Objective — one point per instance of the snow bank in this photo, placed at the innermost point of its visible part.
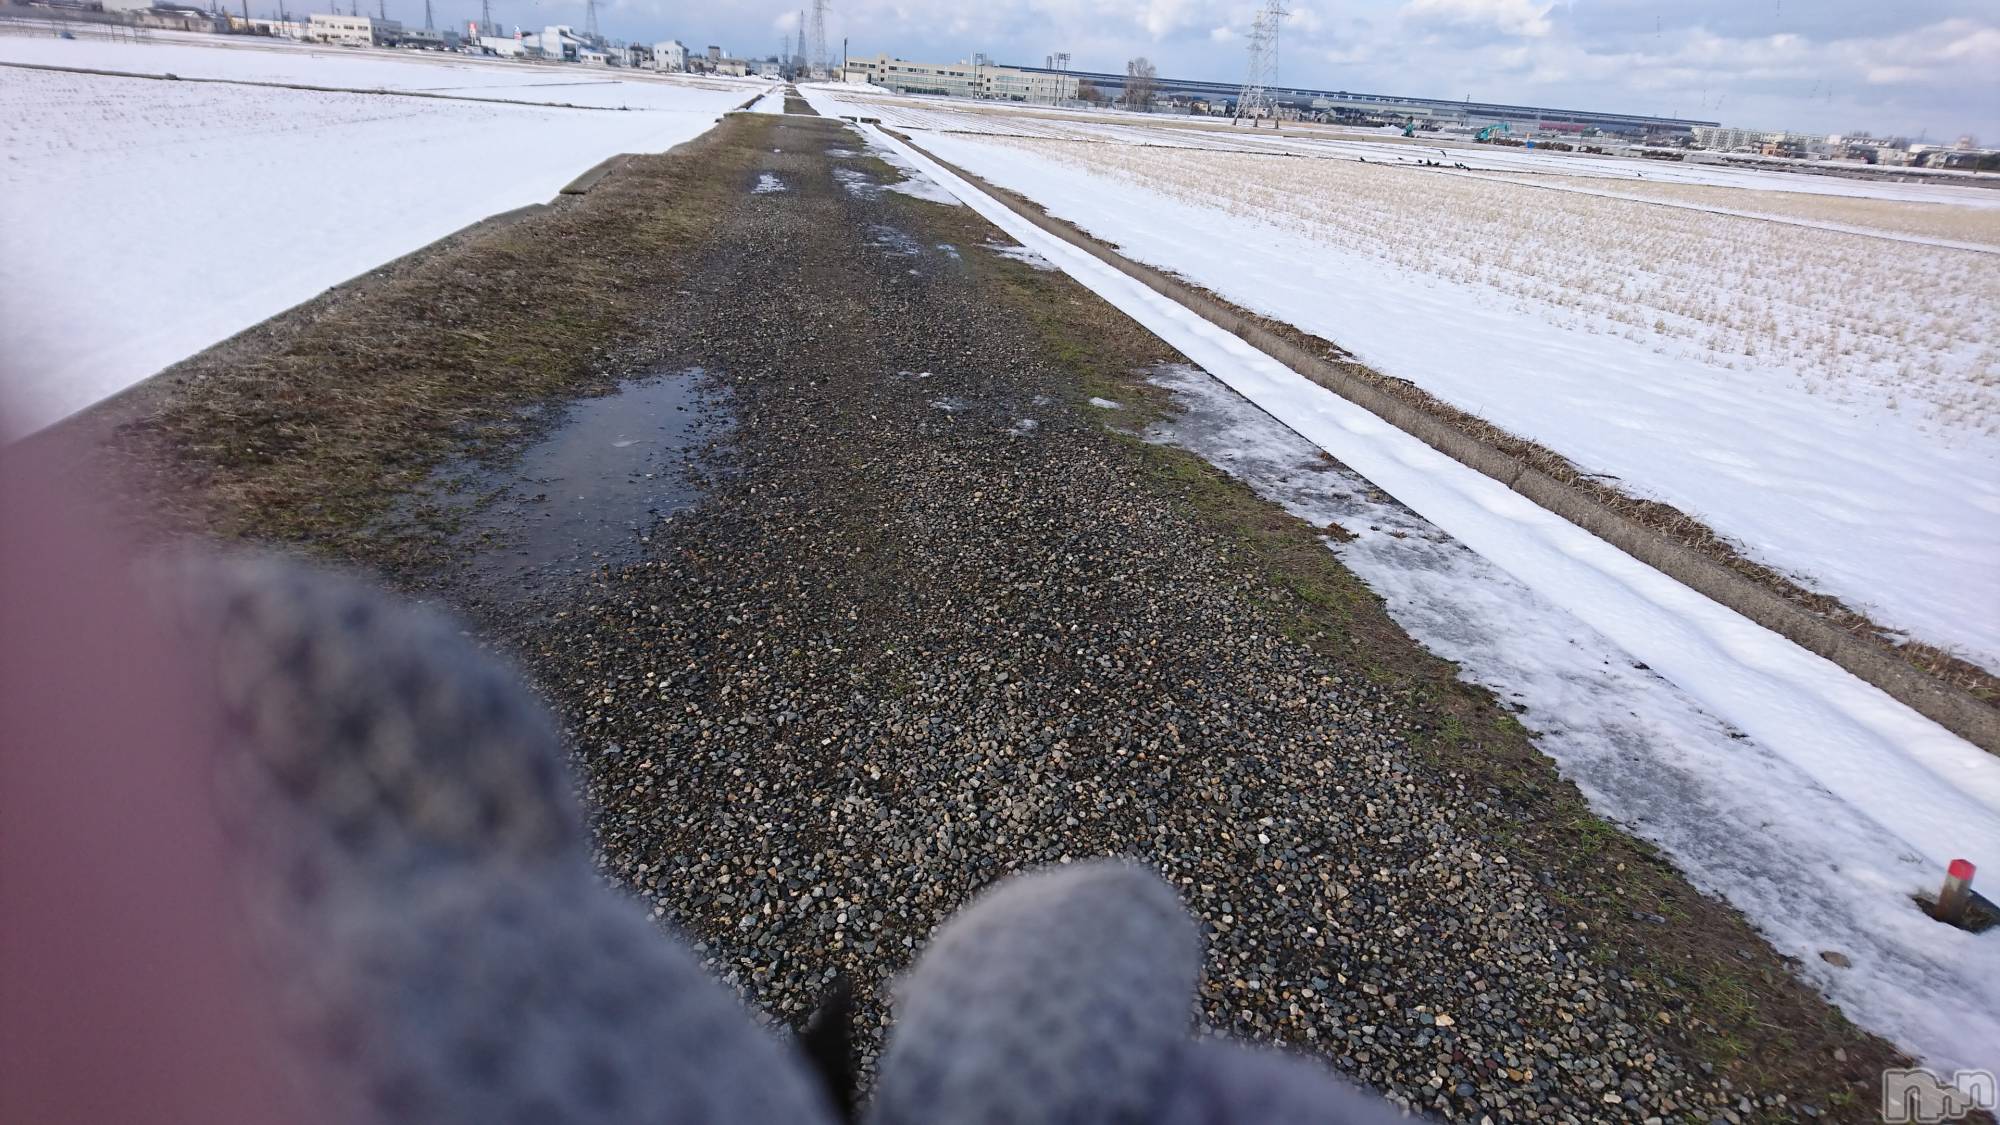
(1740, 821)
(146, 220)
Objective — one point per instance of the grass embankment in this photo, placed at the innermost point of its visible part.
(308, 429)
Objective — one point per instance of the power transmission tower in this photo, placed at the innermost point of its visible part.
(382, 10)
(819, 59)
(1255, 100)
(428, 25)
(486, 18)
(590, 22)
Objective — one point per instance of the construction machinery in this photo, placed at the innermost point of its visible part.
(1487, 133)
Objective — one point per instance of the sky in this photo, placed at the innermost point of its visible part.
(1900, 67)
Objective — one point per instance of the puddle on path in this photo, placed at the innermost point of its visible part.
(592, 490)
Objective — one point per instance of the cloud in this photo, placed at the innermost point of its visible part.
(1817, 65)
(1509, 17)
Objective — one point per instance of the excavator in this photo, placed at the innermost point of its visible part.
(1487, 133)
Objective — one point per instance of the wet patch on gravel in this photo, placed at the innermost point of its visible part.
(857, 183)
(894, 241)
(592, 487)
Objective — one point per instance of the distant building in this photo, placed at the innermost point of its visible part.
(671, 55)
(961, 79)
(353, 31)
(770, 68)
(505, 46)
(560, 43)
(1716, 138)
(126, 5)
(737, 68)
(591, 56)
(428, 40)
(173, 17)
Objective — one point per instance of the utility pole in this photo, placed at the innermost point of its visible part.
(1255, 99)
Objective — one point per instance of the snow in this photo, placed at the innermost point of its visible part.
(1854, 796)
(767, 184)
(146, 220)
(914, 183)
(1874, 480)
(942, 114)
(1023, 255)
(773, 101)
(1643, 752)
(242, 59)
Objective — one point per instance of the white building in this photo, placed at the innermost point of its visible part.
(961, 79)
(671, 55)
(506, 46)
(442, 40)
(1717, 138)
(560, 43)
(353, 31)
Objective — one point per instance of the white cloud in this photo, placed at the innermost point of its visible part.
(1826, 65)
(1510, 17)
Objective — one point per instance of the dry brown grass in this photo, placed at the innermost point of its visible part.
(309, 433)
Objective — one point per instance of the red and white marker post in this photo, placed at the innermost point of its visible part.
(1956, 894)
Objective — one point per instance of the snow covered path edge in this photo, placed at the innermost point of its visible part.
(1935, 792)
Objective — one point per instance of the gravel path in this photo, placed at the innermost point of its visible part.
(934, 624)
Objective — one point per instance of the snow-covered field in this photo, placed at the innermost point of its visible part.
(250, 59)
(1806, 798)
(145, 220)
(1828, 400)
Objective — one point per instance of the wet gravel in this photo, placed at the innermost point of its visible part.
(903, 649)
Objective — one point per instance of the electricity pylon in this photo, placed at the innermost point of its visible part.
(1255, 100)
